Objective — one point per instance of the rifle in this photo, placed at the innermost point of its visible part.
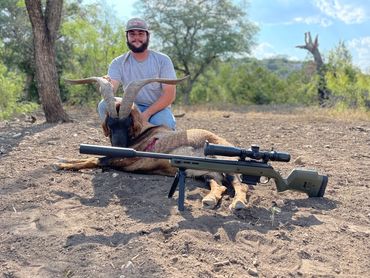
(251, 170)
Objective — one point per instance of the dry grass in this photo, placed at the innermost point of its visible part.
(312, 111)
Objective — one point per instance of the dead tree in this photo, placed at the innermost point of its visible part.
(45, 24)
(313, 48)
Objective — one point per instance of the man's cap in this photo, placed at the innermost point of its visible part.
(136, 24)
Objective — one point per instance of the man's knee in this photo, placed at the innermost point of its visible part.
(164, 117)
(102, 106)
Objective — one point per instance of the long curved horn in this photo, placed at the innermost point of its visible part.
(133, 88)
(105, 89)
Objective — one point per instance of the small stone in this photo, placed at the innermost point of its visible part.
(298, 160)
(252, 271)
(279, 203)
(128, 268)
(295, 208)
(217, 236)
(222, 263)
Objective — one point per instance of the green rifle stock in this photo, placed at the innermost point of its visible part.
(302, 180)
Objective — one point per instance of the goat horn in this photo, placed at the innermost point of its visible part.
(133, 88)
(105, 89)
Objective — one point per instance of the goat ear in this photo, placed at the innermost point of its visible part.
(105, 127)
(137, 122)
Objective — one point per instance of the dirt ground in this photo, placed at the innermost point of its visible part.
(95, 223)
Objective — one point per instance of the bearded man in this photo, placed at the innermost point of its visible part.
(155, 99)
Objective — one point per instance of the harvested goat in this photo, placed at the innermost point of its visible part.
(126, 128)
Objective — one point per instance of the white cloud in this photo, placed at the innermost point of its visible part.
(322, 21)
(263, 51)
(360, 48)
(337, 9)
(266, 51)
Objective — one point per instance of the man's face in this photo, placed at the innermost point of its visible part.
(137, 40)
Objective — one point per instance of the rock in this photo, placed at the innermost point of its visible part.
(294, 208)
(298, 160)
(219, 264)
(279, 203)
(216, 236)
(252, 271)
(30, 119)
(128, 268)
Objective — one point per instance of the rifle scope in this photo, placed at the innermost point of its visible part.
(254, 152)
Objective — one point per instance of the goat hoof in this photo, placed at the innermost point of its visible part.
(56, 167)
(209, 202)
(237, 205)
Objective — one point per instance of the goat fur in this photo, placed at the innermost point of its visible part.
(147, 137)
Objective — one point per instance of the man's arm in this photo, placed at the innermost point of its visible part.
(115, 84)
(167, 98)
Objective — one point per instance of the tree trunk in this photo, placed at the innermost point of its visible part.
(313, 48)
(45, 27)
(187, 91)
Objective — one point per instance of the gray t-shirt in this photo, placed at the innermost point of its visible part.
(126, 68)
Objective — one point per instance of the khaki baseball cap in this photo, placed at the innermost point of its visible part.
(136, 24)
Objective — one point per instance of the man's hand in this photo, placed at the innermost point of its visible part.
(145, 116)
(106, 77)
(114, 83)
(168, 96)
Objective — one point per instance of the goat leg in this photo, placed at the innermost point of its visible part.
(77, 164)
(214, 196)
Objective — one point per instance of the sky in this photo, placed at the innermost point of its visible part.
(283, 23)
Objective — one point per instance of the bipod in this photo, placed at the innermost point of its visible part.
(179, 180)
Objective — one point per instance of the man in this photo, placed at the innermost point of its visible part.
(154, 100)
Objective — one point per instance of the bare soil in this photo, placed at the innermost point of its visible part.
(96, 223)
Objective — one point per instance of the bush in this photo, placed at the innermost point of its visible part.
(10, 94)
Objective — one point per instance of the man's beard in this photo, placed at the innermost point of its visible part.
(140, 49)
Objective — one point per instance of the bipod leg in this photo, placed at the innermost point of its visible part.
(174, 185)
(179, 179)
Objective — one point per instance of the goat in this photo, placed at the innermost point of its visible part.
(126, 128)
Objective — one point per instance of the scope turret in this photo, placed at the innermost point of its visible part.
(253, 153)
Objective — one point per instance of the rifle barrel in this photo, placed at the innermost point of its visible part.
(128, 152)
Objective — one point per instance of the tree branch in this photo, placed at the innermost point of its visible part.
(313, 48)
(53, 14)
(35, 12)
